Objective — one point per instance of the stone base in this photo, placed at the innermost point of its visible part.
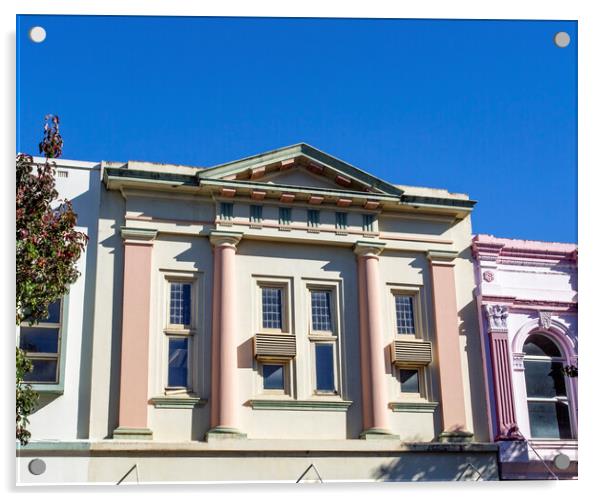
(123, 433)
(455, 436)
(378, 434)
(224, 433)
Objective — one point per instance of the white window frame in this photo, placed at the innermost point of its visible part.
(274, 283)
(180, 331)
(286, 365)
(417, 295)
(558, 399)
(421, 395)
(57, 385)
(325, 337)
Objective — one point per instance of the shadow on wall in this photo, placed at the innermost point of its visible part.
(442, 467)
(469, 329)
(114, 242)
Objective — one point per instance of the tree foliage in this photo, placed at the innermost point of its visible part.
(47, 250)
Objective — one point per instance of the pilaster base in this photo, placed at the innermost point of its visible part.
(456, 436)
(123, 433)
(378, 434)
(224, 433)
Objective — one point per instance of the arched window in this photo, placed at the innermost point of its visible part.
(547, 397)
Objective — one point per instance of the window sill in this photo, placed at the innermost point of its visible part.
(300, 405)
(48, 389)
(414, 406)
(177, 402)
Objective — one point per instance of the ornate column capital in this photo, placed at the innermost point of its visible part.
(230, 238)
(442, 258)
(365, 248)
(138, 235)
(497, 316)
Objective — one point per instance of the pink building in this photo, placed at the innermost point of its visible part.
(527, 299)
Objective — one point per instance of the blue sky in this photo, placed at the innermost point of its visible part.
(487, 108)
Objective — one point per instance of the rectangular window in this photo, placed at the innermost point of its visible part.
(284, 216)
(177, 376)
(410, 380)
(271, 307)
(256, 215)
(341, 220)
(321, 319)
(313, 218)
(273, 377)
(368, 223)
(226, 210)
(549, 420)
(324, 367)
(179, 303)
(404, 313)
(41, 343)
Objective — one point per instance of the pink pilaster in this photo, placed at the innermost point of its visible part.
(447, 345)
(502, 372)
(374, 388)
(133, 396)
(224, 387)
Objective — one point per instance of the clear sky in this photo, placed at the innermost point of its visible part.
(487, 108)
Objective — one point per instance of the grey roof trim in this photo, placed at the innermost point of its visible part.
(448, 202)
(296, 189)
(311, 153)
(143, 175)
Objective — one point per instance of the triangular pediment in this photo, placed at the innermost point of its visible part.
(301, 166)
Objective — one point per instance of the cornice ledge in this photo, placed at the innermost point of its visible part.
(296, 405)
(177, 402)
(427, 407)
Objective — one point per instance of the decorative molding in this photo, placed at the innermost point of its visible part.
(300, 405)
(514, 303)
(177, 402)
(518, 361)
(422, 407)
(488, 276)
(545, 319)
(369, 249)
(228, 192)
(497, 316)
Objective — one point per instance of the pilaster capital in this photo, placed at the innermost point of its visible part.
(497, 316)
(365, 248)
(138, 235)
(441, 257)
(219, 238)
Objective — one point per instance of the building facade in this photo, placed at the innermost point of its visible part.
(527, 298)
(279, 317)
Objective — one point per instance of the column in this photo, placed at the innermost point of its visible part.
(133, 396)
(447, 345)
(375, 410)
(224, 383)
(501, 368)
